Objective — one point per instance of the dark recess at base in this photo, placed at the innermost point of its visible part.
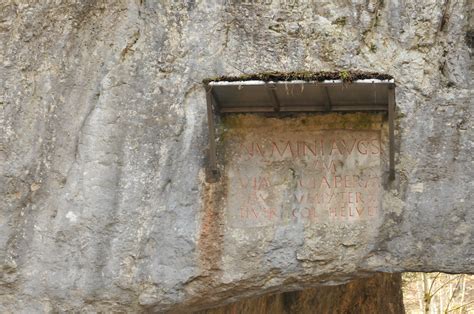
(380, 293)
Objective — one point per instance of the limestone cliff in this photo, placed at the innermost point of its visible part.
(103, 134)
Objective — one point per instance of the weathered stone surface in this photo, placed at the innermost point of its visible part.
(104, 204)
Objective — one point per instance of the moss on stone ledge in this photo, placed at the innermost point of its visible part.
(345, 75)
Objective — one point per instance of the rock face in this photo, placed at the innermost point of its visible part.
(104, 203)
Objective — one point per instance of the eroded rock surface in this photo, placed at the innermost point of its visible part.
(104, 204)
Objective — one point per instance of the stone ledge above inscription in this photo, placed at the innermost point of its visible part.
(309, 170)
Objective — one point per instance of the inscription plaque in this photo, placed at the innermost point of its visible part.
(284, 174)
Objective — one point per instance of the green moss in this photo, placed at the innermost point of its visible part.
(230, 121)
(345, 75)
(373, 48)
(364, 121)
(341, 21)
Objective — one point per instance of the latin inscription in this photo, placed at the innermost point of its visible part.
(311, 177)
